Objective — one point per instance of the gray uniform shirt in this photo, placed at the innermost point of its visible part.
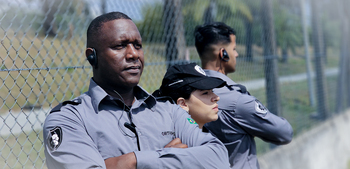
(84, 132)
(241, 118)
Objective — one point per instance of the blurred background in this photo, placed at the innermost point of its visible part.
(293, 56)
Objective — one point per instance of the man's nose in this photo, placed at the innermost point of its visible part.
(131, 52)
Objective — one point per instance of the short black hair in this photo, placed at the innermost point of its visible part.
(184, 92)
(96, 24)
(212, 33)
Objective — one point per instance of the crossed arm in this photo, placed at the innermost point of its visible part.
(128, 161)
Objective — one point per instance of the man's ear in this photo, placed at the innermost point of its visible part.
(182, 103)
(221, 53)
(88, 52)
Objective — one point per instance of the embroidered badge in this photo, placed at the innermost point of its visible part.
(55, 138)
(191, 121)
(200, 70)
(260, 108)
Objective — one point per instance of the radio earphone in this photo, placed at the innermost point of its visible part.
(225, 57)
(92, 58)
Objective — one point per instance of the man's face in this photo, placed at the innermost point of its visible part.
(230, 66)
(120, 55)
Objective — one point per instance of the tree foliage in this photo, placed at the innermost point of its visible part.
(288, 25)
(66, 16)
(151, 27)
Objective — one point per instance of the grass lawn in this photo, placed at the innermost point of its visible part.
(296, 107)
(24, 150)
(41, 72)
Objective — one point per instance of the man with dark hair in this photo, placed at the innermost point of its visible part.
(116, 123)
(241, 116)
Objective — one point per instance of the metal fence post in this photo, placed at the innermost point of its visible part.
(322, 105)
(271, 72)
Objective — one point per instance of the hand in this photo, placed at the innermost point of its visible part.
(176, 143)
(126, 161)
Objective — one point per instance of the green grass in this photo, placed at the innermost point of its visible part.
(24, 85)
(46, 88)
(296, 107)
(24, 150)
(36, 73)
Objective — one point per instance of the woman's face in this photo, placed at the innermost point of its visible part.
(203, 106)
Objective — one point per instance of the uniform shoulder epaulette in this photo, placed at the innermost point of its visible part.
(242, 88)
(156, 94)
(72, 102)
(205, 130)
(164, 99)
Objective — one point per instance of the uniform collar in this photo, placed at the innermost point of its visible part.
(213, 73)
(97, 95)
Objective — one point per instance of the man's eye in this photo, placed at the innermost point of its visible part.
(137, 46)
(205, 93)
(119, 46)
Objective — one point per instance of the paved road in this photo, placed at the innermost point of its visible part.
(260, 83)
(27, 121)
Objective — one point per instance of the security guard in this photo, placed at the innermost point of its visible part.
(117, 124)
(241, 116)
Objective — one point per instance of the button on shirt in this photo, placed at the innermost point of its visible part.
(241, 118)
(84, 135)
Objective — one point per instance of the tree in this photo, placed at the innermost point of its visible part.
(249, 23)
(104, 6)
(50, 8)
(343, 89)
(271, 73)
(151, 27)
(223, 10)
(210, 12)
(288, 26)
(322, 105)
(175, 44)
(63, 15)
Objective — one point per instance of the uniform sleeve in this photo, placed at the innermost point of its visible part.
(67, 144)
(205, 151)
(258, 121)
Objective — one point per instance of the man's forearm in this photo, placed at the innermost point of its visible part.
(126, 161)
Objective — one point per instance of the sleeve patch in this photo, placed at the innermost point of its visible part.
(191, 121)
(55, 138)
(260, 108)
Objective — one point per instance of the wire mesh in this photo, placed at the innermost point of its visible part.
(43, 58)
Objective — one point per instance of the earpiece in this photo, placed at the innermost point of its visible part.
(92, 58)
(225, 57)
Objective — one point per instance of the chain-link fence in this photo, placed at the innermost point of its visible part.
(301, 47)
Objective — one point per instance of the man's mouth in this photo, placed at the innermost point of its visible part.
(133, 69)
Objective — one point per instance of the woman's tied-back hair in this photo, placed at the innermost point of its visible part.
(96, 24)
(213, 33)
(184, 92)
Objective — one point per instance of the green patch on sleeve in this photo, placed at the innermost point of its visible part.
(191, 121)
